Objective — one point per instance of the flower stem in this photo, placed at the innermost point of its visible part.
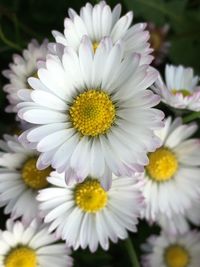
(131, 252)
(192, 116)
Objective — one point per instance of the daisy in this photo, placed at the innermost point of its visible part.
(172, 177)
(20, 180)
(172, 251)
(97, 114)
(23, 66)
(86, 215)
(181, 90)
(180, 223)
(100, 21)
(31, 246)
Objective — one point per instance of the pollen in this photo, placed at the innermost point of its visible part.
(177, 256)
(95, 46)
(90, 196)
(184, 92)
(32, 177)
(21, 257)
(162, 165)
(92, 113)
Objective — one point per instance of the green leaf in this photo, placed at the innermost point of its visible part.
(158, 10)
(185, 51)
(149, 10)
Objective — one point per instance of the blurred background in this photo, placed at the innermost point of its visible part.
(175, 36)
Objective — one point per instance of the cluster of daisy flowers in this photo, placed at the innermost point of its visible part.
(93, 153)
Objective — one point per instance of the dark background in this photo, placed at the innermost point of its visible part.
(22, 20)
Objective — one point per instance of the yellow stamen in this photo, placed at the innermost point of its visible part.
(162, 164)
(90, 196)
(33, 177)
(92, 113)
(177, 256)
(95, 46)
(21, 257)
(184, 92)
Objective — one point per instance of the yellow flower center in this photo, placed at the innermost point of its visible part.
(155, 40)
(184, 92)
(92, 113)
(162, 164)
(33, 177)
(33, 74)
(177, 256)
(21, 257)
(95, 46)
(90, 196)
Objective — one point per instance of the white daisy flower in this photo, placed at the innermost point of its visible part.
(20, 180)
(172, 177)
(172, 251)
(31, 246)
(97, 114)
(181, 90)
(100, 21)
(86, 215)
(180, 223)
(23, 66)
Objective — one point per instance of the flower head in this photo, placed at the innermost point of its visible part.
(20, 179)
(181, 90)
(171, 177)
(86, 215)
(98, 22)
(31, 246)
(97, 115)
(23, 66)
(172, 251)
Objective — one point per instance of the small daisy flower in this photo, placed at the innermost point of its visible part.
(100, 21)
(172, 177)
(31, 246)
(23, 66)
(172, 251)
(158, 42)
(20, 180)
(180, 223)
(181, 89)
(86, 215)
(97, 114)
